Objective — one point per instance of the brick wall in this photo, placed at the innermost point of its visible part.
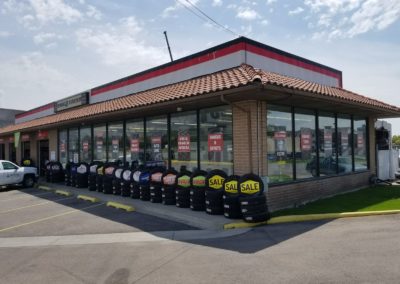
(294, 194)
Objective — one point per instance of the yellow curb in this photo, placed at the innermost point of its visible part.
(308, 217)
(44, 187)
(88, 198)
(63, 192)
(118, 205)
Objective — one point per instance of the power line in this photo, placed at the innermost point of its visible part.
(203, 16)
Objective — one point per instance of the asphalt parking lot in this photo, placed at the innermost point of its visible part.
(33, 212)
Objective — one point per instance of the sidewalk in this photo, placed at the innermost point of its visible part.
(197, 219)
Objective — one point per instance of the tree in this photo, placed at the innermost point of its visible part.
(396, 140)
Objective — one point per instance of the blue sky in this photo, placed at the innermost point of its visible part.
(50, 49)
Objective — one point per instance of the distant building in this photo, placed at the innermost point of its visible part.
(7, 116)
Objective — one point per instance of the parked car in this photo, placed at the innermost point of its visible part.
(11, 174)
(328, 166)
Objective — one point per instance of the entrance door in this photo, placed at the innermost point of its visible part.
(43, 156)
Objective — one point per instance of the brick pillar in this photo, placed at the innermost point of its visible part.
(53, 143)
(249, 119)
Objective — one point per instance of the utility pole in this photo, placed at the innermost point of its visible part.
(169, 48)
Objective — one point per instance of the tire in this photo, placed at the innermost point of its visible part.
(155, 199)
(253, 200)
(254, 209)
(169, 201)
(28, 181)
(261, 217)
(182, 204)
(197, 200)
(231, 200)
(198, 207)
(214, 210)
(214, 203)
(212, 194)
(232, 214)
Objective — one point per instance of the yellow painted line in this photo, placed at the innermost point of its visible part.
(48, 218)
(308, 217)
(88, 198)
(63, 192)
(34, 205)
(44, 187)
(120, 206)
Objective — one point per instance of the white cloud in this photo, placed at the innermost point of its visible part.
(246, 13)
(93, 12)
(264, 22)
(170, 10)
(46, 38)
(4, 34)
(46, 83)
(216, 3)
(121, 44)
(269, 2)
(349, 18)
(54, 10)
(296, 11)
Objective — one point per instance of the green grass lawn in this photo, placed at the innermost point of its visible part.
(375, 198)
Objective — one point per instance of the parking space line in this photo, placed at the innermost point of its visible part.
(27, 195)
(50, 217)
(37, 204)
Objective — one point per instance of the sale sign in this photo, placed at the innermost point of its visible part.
(156, 142)
(135, 146)
(305, 141)
(85, 146)
(184, 143)
(215, 142)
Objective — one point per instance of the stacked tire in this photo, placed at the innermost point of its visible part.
(100, 177)
(182, 191)
(108, 177)
(67, 174)
(92, 175)
(126, 183)
(47, 171)
(253, 203)
(231, 201)
(156, 185)
(144, 185)
(135, 186)
(73, 174)
(116, 183)
(168, 188)
(198, 191)
(82, 173)
(214, 192)
(56, 173)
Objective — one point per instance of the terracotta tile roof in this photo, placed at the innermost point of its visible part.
(222, 80)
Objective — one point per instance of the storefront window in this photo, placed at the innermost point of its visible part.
(62, 147)
(279, 141)
(305, 140)
(86, 144)
(184, 140)
(115, 142)
(360, 144)
(157, 141)
(216, 148)
(344, 141)
(327, 146)
(25, 150)
(135, 141)
(99, 135)
(73, 145)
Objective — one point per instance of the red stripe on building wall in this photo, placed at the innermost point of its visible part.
(294, 62)
(36, 110)
(172, 68)
(214, 55)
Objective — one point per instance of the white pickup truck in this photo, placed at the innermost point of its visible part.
(11, 174)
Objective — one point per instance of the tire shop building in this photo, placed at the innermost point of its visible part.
(240, 107)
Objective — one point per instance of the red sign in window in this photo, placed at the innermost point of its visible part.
(184, 143)
(135, 146)
(305, 142)
(215, 142)
(85, 146)
(280, 135)
(43, 134)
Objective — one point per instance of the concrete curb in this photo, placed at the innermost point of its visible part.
(308, 217)
(118, 205)
(63, 192)
(88, 198)
(44, 187)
